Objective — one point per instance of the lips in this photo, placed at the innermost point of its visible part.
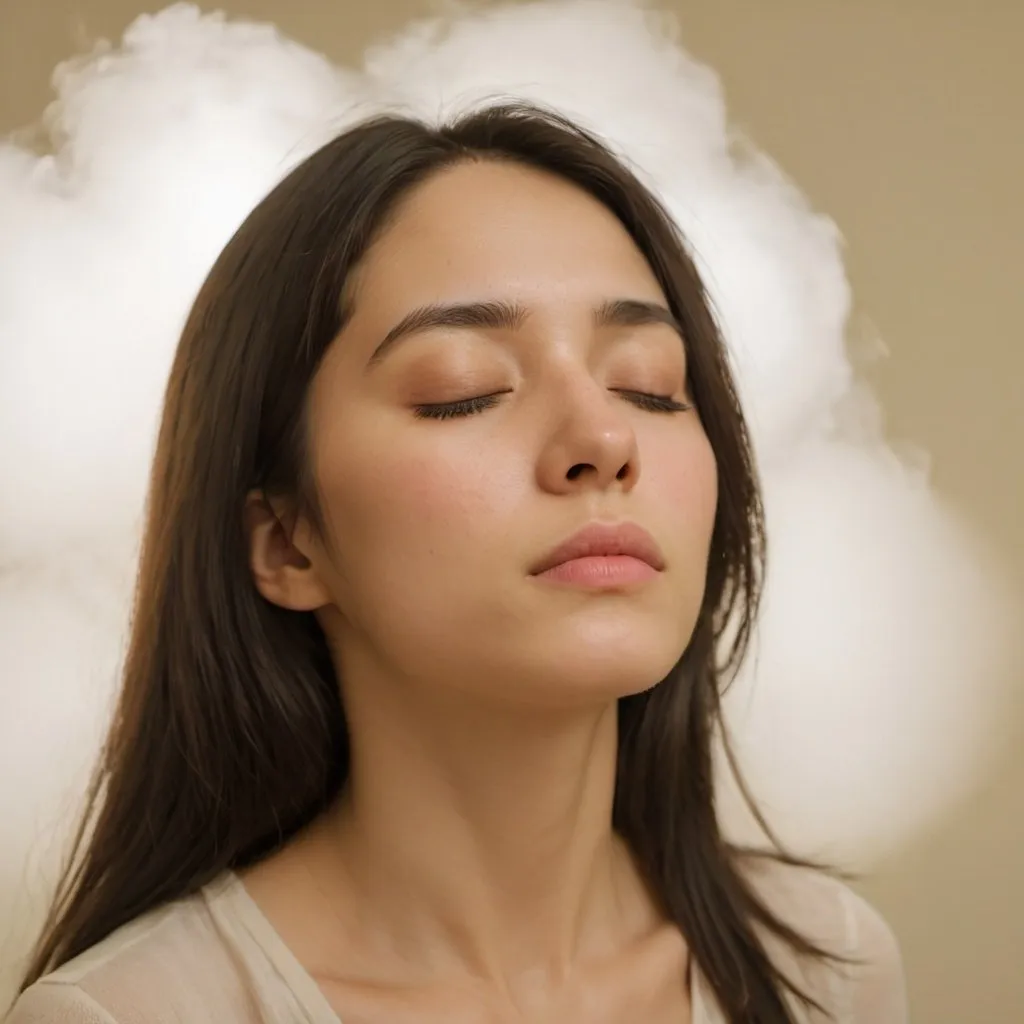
(604, 540)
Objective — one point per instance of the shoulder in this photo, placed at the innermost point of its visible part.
(47, 1003)
(866, 983)
(169, 964)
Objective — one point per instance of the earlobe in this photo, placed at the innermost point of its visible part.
(283, 573)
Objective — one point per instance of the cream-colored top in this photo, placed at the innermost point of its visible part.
(214, 958)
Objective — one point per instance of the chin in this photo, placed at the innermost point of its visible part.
(602, 669)
(615, 677)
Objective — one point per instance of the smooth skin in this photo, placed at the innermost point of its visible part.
(470, 872)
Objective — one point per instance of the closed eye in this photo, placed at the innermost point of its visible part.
(653, 403)
(471, 406)
(463, 407)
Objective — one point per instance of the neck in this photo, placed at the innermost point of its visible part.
(482, 838)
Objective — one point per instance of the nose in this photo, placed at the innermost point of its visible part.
(592, 446)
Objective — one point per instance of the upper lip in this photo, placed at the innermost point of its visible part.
(604, 539)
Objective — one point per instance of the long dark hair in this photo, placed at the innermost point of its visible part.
(230, 734)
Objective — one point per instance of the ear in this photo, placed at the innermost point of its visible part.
(282, 555)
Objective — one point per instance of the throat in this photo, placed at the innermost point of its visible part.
(489, 855)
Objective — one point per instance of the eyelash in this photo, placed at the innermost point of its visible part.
(472, 406)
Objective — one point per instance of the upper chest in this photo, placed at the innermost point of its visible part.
(651, 985)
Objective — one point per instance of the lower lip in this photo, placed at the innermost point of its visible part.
(601, 571)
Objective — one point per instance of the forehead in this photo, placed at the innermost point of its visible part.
(488, 229)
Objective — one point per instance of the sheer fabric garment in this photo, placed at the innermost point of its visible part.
(213, 958)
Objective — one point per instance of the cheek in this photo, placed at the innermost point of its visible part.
(685, 479)
(403, 505)
(435, 498)
(704, 484)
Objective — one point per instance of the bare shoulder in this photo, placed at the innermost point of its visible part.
(169, 964)
(868, 986)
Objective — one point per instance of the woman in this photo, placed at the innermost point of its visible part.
(452, 514)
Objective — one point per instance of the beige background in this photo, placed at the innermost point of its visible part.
(904, 120)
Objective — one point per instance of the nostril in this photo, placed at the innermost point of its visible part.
(575, 472)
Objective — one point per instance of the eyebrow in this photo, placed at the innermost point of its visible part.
(497, 315)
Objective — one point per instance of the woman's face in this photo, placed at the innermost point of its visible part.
(438, 513)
